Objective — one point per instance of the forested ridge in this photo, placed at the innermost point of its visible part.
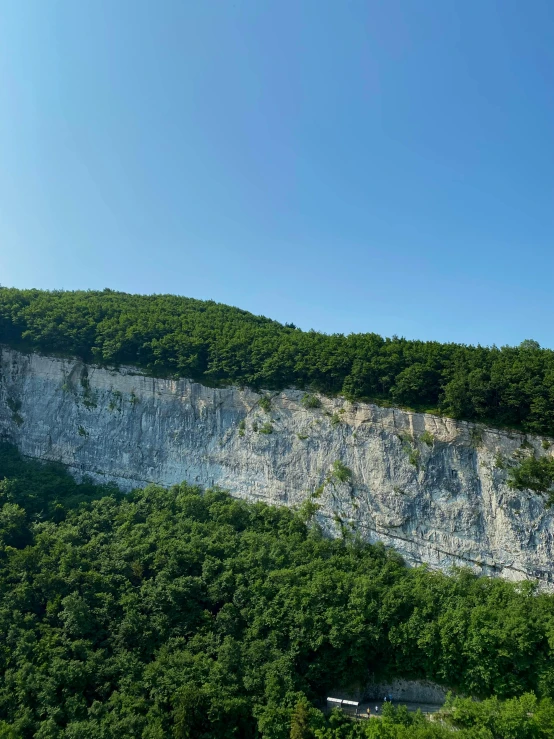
(217, 344)
(183, 613)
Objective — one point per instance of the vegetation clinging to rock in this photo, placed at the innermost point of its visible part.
(534, 474)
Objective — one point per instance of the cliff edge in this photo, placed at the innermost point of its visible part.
(433, 488)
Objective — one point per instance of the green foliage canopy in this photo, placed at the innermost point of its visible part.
(535, 474)
(188, 614)
(217, 344)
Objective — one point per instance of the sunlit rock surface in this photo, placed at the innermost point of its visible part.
(433, 488)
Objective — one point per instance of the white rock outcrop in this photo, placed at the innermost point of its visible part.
(433, 488)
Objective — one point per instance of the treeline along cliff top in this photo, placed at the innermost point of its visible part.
(216, 344)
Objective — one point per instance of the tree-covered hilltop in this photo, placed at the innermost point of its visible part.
(217, 344)
(177, 613)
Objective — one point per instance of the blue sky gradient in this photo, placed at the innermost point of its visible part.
(347, 166)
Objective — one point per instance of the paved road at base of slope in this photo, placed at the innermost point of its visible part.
(412, 707)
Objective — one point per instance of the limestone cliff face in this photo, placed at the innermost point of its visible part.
(433, 488)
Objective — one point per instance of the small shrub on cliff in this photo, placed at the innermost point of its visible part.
(265, 403)
(427, 438)
(499, 461)
(311, 401)
(341, 472)
(414, 457)
(335, 419)
(534, 474)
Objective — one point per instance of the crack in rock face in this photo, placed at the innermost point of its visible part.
(431, 487)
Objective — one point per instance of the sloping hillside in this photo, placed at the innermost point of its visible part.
(218, 345)
(177, 613)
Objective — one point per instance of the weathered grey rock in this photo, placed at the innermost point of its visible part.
(403, 691)
(430, 487)
(410, 691)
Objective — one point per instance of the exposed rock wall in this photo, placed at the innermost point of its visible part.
(431, 487)
(410, 691)
(400, 691)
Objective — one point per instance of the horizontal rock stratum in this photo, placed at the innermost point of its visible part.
(433, 488)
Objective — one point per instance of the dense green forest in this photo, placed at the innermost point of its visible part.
(178, 613)
(217, 344)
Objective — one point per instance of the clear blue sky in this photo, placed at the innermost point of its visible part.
(345, 165)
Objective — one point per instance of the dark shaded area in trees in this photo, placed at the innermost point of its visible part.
(176, 613)
(217, 344)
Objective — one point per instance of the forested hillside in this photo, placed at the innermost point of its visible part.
(217, 344)
(176, 613)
